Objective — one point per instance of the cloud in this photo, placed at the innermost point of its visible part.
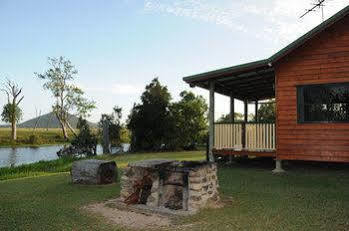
(197, 10)
(273, 20)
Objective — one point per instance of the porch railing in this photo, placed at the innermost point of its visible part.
(249, 136)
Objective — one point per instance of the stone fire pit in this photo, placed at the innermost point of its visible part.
(169, 185)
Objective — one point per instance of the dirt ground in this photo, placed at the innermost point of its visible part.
(129, 219)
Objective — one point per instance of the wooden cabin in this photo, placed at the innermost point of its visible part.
(309, 80)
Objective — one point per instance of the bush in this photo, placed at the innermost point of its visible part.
(34, 139)
(85, 142)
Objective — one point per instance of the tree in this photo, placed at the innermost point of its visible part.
(190, 116)
(238, 117)
(150, 121)
(115, 127)
(69, 99)
(85, 141)
(266, 112)
(12, 113)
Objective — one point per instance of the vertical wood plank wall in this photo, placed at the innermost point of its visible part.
(324, 59)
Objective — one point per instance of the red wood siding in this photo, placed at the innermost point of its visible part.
(324, 59)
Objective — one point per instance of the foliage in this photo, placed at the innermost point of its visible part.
(238, 117)
(85, 140)
(149, 121)
(266, 112)
(158, 124)
(189, 115)
(68, 97)
(11, 112)
(34, 139)
(115, 127)
(125, 135)
(25, 137)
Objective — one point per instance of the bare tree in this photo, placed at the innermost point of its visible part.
(49, 121)
(37, 120)
(11, 111)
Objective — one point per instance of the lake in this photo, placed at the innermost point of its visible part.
(27, 155)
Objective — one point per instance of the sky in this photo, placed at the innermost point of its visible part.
(120, 46)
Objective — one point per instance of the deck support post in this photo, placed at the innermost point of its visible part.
(211, 122)
(278, 167)
(243, 128)
(256, 111)
(232, 119)
(245, 111)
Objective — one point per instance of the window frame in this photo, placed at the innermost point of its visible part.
(301, 104)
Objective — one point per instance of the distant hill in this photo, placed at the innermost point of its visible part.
(50, 121)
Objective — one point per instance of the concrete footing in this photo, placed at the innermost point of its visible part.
(278, 167)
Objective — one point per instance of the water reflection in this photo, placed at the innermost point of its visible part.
(12, 157)
(27, 155)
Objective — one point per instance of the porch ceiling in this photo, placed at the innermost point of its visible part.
(252, 81)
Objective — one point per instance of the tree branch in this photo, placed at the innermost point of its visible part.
(20, 100)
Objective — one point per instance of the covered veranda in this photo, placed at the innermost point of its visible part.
(251, 83)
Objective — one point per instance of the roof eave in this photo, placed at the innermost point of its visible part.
(226, 71)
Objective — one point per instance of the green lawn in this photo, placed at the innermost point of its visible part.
(308, 197)
(43, 168)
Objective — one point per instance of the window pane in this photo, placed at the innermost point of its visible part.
(325, 103)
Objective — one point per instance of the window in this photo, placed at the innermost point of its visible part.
(323, 103)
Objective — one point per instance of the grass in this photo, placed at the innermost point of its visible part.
(25, 137)
(63, 165)
(306, 198)
(37, 169)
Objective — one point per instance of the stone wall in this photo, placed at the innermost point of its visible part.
(173, 185)
(203, 186)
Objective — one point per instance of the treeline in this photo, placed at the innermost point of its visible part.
(157, 123)
(266, 114)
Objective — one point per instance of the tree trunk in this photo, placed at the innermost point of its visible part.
(71, 128)
(14, 130)
(64, 130)
(106, 140)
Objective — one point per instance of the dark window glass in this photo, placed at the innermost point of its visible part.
(323, 103)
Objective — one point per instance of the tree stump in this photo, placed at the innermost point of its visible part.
(93, 172)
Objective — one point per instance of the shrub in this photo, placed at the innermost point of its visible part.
(34, 139)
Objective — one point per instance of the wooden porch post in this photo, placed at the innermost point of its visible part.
(211, 122)
(256, 111)
(243, 140)
(245, 111)
(232, 109)
(232, 118)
